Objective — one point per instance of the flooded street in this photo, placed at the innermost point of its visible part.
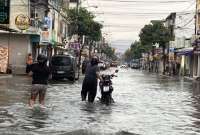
(145, 104)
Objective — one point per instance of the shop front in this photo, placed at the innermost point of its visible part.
(196, 69)
(14, 48)
(185, 57)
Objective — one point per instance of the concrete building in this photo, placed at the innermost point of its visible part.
(34, 27)
(196, 70)
(180, 47)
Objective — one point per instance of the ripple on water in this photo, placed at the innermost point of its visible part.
(6, 119)
(89, 132)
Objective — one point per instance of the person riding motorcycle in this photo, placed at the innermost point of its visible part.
(89, 86)
(40, 75)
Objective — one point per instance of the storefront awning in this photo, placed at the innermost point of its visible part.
(185, 51)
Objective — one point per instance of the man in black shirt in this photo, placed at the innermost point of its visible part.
(40, 77)
(89, 86)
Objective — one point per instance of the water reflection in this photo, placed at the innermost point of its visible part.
(35, 119)
(145, 104)
(196, 104)
(6, 119)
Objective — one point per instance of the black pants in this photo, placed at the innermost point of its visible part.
(89, 88)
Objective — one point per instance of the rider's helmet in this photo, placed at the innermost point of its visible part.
(94, 61)
(41, 59)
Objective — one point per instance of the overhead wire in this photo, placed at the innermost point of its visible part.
(187, 23)
(192, 4)
(145, 1)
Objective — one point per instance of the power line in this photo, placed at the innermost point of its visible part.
(143, 1)
(144, 13)
(187, 23)
(192, 4)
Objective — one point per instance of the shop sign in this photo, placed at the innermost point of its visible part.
(3, 59)
(75, 46)
(159, 51)
(197, 50)
(45, 37)
(47, 22)
(73, 1)
(22, 22)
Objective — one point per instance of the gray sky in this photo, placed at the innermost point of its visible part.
(123, 19)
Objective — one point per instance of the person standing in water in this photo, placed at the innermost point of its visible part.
(40, 75)
(89, 86)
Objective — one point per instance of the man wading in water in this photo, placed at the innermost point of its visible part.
(40, 78)
(90, 81)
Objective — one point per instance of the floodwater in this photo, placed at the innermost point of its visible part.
(145, 104)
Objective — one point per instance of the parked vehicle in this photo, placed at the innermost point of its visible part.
(123, 66)
(135, 64)
(114, 64)
(102, 65)
(64, 66)
(106, 89)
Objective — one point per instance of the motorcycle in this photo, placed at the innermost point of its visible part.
(106, 89)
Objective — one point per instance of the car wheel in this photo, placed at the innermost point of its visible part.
(72, 78)
(54, 78)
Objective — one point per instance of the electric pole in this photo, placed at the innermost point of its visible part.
(196, 17)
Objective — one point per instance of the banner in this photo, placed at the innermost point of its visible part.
(3, 59)
(45, 37)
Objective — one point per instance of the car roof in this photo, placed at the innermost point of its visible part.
(63, 56)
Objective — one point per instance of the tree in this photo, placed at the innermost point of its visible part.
(82, 23)
(155, 32)
(135, 51)
(109, 52)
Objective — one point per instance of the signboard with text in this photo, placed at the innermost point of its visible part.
(74, 1)
(45, 37)
(4, 11)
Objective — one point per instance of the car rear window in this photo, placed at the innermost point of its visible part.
(61, 61)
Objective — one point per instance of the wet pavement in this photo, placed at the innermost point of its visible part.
(145, 104)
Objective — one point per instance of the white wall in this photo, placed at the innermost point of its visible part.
(18, 7)
(183, 26)
(19, 46)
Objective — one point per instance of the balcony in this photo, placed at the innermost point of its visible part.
(35, 25)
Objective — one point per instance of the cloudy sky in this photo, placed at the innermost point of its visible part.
(123, 19)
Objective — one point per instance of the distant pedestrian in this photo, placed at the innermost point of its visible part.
(29, 62)
(40, 78)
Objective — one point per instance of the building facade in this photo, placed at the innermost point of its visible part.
(34, 27)
(180, 47)
(196, 69)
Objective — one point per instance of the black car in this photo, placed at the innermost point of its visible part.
(64, 66)
(135, 64)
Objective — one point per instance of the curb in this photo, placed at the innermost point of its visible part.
(5, 76)
(189, 78)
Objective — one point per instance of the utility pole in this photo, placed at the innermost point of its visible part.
(196, 18)
(80, 51)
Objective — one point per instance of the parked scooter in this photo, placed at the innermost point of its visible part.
(106, 88)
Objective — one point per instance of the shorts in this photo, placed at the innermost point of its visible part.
(38, 89)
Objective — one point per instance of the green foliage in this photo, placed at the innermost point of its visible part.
(109, 51)
(94, 32)
(155, 32)
(82, 23)
(135, 51)
(150, 34)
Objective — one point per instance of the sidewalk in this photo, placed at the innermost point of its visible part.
(3, 76)
(189, 78)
